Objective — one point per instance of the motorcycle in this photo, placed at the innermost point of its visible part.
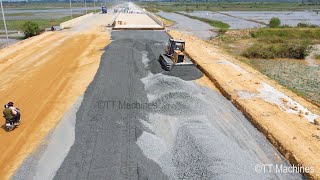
(11, 124)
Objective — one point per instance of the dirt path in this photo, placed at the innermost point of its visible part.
(44, 75)
(285, 118)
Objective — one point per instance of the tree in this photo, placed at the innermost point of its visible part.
(274, 22)
(30, 29)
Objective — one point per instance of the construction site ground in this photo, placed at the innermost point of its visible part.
(96, 103)
(135, 21)
(180, 129)
(44, 75)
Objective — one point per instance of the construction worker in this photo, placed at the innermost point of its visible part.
(11, 113)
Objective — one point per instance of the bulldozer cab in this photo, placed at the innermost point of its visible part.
(175, 45)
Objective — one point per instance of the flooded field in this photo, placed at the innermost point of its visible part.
(29, 14)
(291, 18)
(190, 26)
(234, 22)
(243, 19)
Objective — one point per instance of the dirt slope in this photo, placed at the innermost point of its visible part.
(277, 112)
(44, 75)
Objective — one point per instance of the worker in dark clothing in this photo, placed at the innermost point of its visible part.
(11, 113)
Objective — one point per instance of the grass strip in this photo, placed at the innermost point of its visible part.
(213, 23)
(43, 23)
(166, 22)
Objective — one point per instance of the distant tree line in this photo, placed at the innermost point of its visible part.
(315, 2)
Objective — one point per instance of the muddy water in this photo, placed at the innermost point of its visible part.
(190, 26)
(246, 19)
(235, 23)
(291, 18)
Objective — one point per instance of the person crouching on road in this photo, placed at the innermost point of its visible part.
(11, 113)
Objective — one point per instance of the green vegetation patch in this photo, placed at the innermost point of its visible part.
(30, 29)
(282, 43)
(166, 22)
(277, 50)
(47, 5)
(287, 33)
(274, 22)
(43, 23)
(20, 14)
(152, 9)
(213, 23)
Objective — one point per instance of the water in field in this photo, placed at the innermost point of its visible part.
(291, 18)
(235, 23)
(190, 26)
(257, 19)
(30, 14)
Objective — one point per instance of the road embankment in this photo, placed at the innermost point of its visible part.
(44, 76)
(282, 116)
(73, 22)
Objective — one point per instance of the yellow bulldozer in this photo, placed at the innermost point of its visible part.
(174, 55)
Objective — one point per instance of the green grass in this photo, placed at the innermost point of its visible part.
(282, 43)
(287, 33)
(227, 6)
(47, 5)
(213, 23)
(20, 14)
(166, 22)
(152, 9)
(278, 50)
(43, 23)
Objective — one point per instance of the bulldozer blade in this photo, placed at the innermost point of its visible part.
(166, 62)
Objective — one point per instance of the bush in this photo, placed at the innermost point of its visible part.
(222, 31)
(189, 10)
(297, 50)
(274, 22)
(306, 25)
(30, 29)
(287, 33)
(285, 26)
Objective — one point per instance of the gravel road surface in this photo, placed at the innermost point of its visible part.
(139, 122)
